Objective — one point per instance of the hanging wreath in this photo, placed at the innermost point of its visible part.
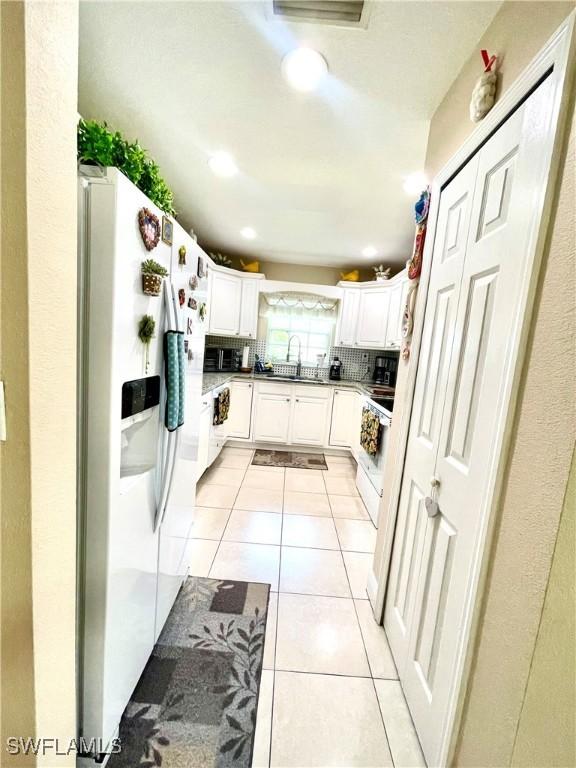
(149, 228)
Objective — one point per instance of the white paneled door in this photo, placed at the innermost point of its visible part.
(474, 303)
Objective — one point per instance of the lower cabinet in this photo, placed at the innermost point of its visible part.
(204, 426)
(272, 415)
(310, 417)
(240, 413)
(345, 422)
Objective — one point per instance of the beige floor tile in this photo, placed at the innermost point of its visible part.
(340, 470)
(341, 486)
(356, 535)
(326, 720)
(223, 476)
(309, 531)
(262, 478)
(270, 638)
(221, 496)
(296, 503)
(305, 481)
(377, 648)
(261, 755)
(402, 737)
(253, 527)
(259, 500)
(313, 572)
(319, 634)
(351, 507)
(247, 562)
(233, 460)
(358, 565)
(231, 450)
(209, 523)
(202, 554)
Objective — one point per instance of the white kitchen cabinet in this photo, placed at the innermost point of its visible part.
(373, 317)
(248, 308)
(393, 324)
(240, 413)
(225, 302)
(272, 414)
(346, 333)
(310, 416)
(345, 422)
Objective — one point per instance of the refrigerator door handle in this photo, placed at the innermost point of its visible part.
(176, 444)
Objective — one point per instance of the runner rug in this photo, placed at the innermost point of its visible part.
(195, 704)
(291, 459)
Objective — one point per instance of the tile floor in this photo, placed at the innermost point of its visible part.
(329, 694)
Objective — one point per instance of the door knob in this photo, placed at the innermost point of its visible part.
(434, 482)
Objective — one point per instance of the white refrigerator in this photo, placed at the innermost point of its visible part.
(136, 480)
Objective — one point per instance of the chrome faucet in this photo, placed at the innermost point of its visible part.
(299, 366)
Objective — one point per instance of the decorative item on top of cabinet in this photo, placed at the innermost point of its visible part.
(149, 225)
(382, 274)
(351, 277)
(252, 266)
(152, 275)
(221, 260)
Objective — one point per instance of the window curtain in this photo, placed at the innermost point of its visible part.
(299, 304)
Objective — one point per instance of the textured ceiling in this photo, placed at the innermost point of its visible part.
(320, 174)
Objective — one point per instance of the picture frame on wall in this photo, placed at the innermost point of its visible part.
(167, 230)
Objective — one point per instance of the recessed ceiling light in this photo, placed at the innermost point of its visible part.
(415, 183)
(304, 69)
(248, 233)
(223, 164)
(369, 252)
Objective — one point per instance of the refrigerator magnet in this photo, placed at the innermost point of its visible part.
(189, 328)
(200, 269)
(167, 230)
(192, 303)
(181, 296)
(182, 256)
(186, 345)
(193, 282)
(202, 311)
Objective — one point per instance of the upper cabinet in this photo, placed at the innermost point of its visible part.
(233, 303)
(371, 314)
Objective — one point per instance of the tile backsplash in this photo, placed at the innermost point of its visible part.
(353, 369)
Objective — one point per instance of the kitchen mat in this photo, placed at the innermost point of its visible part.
(196, 702)
(289, 459)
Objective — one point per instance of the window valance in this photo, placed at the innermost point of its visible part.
(293, 303)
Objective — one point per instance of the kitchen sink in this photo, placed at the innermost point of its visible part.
(302, 379)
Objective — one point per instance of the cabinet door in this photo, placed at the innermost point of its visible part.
(343, 426)
(309, 420)
(249, 308)
(272, 417)
(240, 414)
(346, 335)
(204, 422)
(373, 318)
(225, 300)
(393, 325)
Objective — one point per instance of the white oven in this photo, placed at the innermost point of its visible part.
(370, 471)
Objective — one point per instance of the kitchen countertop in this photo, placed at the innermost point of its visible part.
(212, 380)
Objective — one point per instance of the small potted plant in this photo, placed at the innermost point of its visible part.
(152, 276)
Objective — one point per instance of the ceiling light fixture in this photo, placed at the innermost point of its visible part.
(369, 252)
(415, 183)
(304, 69)
(223, 164)
(248, 233)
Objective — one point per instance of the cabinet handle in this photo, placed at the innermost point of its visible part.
(287, 399)
(249, 385)
(297, 399)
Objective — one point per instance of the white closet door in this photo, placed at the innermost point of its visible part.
(469, 415)
(431, 382)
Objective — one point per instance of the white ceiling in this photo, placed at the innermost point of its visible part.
(320, 174)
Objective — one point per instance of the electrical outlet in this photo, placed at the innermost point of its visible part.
(364, 357)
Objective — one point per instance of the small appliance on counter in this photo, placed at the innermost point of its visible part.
(385, 370)
(221, 359)
(335, 370)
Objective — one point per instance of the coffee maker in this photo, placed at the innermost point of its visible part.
(385, 369)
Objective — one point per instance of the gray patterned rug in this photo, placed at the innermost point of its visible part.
(289, 459)
(195, 704)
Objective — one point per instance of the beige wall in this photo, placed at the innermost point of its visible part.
(546, 730)
(38, 364)
(544, 431)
